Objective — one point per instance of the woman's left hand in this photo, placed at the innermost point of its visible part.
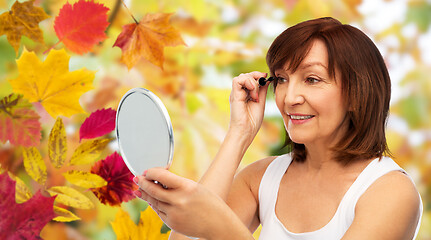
(184, 205)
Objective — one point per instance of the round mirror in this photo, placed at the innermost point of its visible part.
(144, 131)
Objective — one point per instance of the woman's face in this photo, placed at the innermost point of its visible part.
(310, 100)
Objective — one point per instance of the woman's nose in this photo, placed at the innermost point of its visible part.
(294, 95)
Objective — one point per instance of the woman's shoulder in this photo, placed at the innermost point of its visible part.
(392, 204)
(395, 186)
(253, 173)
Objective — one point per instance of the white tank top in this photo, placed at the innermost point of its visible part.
(273, 229)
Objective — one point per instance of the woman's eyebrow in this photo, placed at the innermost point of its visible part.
(311, 64)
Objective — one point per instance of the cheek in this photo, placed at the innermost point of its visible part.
(279, 100)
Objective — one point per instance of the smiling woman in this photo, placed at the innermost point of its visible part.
(341, 56)
(332, 89)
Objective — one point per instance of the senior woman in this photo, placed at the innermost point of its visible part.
(332, 89)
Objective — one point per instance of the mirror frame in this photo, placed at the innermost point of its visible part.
(161, 107)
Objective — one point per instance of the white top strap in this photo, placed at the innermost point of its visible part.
(270, 183)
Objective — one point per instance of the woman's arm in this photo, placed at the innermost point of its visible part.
(190, 208)
(389, 209)
(247, 102)
(243, 196)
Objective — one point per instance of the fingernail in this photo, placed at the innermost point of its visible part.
(145, 173)
(135, 179)
(138, 193)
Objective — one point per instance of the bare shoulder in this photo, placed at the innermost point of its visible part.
(390, 207)
(396, 189)
(253, 173)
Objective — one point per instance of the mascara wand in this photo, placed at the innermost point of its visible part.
(263, 81)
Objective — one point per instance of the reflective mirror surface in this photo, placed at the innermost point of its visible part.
(144, 131)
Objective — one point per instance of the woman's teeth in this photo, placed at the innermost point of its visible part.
(296, 117)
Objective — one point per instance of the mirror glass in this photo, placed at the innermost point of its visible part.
(144, 131)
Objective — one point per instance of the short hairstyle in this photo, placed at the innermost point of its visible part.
(365, 83)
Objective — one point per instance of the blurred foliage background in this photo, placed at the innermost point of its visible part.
(225, 38)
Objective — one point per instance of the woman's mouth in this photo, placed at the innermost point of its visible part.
(299, 119)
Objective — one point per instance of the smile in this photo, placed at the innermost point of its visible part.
(300, 117)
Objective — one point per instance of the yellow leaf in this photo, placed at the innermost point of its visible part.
(34, 164)
(22, 193)
(51, 83)
(89, 151)
(65, 215)
(85, 179)
(70, 197)
(124, 228)
(147, 39)
(22, 19)
(149, 226)
(57, 144)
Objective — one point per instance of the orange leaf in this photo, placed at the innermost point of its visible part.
(22, 19)
(18, 122)
(82, 25)
(147, 39)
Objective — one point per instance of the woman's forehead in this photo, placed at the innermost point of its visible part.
(317, 57)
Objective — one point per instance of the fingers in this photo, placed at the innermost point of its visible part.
(156, 205)
(163, 191)
(246, 86)
(150, 189)
(170, 180)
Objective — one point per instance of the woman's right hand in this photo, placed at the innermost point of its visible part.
(247, 103)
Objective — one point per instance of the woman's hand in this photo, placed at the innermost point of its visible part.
(247, 102)
(189, 208)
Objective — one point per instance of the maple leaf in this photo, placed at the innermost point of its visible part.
(147, 39)
(98, 124)
(26, 220)
(51, 83)
(150, 227)
(120, 185)
(82, 25)
(22, 19)
(18, 123)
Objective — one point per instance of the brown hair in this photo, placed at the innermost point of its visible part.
(365, 83)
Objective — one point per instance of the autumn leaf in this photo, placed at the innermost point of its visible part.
(70, 197)
(147, 39)
(124, 228)
(64, 215)
(82, 25)
(51, 83)
(26, 220)
(22, 193)
(18, 122)
(120, 185)
(149, 226)
(34, 164)
(89, 151)
(84, 179)
(22, 19)
(57, 144)
(98, 124)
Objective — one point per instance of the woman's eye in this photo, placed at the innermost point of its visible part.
(281, 80)
(312, 80)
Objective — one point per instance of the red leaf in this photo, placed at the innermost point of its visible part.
(120, 185)
(26, 220)
(82, 25)
(98, 124)
(18, 123)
